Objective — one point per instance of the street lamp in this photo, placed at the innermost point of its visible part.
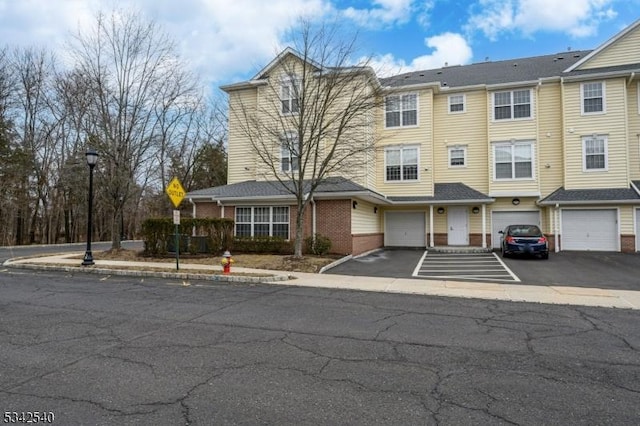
(92, 159)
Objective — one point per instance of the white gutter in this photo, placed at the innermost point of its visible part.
(631, 77)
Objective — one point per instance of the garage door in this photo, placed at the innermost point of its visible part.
(404, 229)
(590, 230)
(500, 220)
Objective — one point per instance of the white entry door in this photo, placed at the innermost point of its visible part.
(458, 228)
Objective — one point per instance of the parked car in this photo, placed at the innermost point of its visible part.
(524, 240)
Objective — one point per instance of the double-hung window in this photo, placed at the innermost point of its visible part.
(512, 105)
(401, 164)
(456, 104)
(263, 221)
(401, 110)
(288, 152)
(513, 160)
(594, 153)
(457, 156)
(592, 98)
(289, 92)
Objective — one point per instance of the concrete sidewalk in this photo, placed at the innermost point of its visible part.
(492, 291)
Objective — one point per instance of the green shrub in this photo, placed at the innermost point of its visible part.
(320, 245)
(214, 235)
(273, 245)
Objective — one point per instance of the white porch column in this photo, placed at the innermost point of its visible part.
(431, 239)
(484, 226)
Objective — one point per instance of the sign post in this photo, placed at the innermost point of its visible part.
(176, 194)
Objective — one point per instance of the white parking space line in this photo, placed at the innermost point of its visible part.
(484, 266)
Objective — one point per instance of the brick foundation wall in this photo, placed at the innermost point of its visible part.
(365, 242)
(628, 243)
(207, 210)
(551, 238)
(475, 240)
(440, 239)
(333, 220)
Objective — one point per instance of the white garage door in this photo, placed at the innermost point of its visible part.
(404, 229)
(500, 220)
(590, 230)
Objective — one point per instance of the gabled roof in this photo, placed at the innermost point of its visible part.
(449, 193)
(490, 73)
(264, 72)
(604, 46)
(591, 196)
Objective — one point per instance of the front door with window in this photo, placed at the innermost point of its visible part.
(458, 228)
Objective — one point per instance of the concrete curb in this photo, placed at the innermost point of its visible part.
(157, 274)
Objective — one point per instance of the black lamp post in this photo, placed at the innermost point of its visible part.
(92, 159)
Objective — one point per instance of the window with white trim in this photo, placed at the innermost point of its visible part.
(456, 104)
(512, 105)
(288, 153)
(401, 164)
(513, 160)
(289, 91)
(401, 110)
(594, 153)
(457, 156)
(262, 221)
(592, 97)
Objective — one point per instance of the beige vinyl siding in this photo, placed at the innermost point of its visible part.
(613, 124)
(627, 220)
(241, 155)
(623, 51)
(364, 220)
(420, 136)
(468, 130)
(549, 162)
(634, 130)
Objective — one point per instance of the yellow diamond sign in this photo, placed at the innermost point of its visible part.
(175, 191)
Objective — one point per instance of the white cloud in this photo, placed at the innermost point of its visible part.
(384, 13)
(578, 18)
(447, 49)
(220, 38)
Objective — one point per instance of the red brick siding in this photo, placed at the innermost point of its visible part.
(333, 220)
(628, 243)
(207, 210)
(440, 239)
(365, 242)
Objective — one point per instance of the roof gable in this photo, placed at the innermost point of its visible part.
(282, 56)
(621, 49)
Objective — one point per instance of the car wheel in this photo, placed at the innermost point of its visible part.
(504, 253)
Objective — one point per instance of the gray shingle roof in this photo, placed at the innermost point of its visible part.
(448, 192)
(591, 196)
(507, 71)
(256, 189)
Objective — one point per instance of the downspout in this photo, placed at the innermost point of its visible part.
(313, 218)
(221, 208)
(631, 77)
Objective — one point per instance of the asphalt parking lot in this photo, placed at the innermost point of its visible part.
(615, 271)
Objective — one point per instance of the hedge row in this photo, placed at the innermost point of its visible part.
(214, 235)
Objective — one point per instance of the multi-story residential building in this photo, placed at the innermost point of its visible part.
(464, 151)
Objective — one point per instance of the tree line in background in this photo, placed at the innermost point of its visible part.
(119, 88)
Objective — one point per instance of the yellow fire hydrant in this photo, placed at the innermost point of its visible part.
(226, 262)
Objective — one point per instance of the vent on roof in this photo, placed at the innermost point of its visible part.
(559, 58)
(439, 72)
(421, 75)
(576, 56)
(515, 64)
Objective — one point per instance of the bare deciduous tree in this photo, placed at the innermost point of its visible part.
(140, 93)
(315, 119)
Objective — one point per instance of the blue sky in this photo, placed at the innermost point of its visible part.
(226, 41)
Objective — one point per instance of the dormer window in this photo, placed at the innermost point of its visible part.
(289, 92)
